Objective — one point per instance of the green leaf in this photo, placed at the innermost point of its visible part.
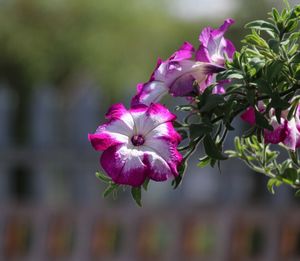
(251, 96)
(137, 194)
(181, 170)
(235, 75)
(184, 108)
(236, 60)
(262, 25)
(177, 124)
(290, 174)
(278, 103)
(102, 177)
(212, 150)
(257, 63)
(145, 184)
(198, 130)
(274, 45)
(273, 182)
(291, 25)
(110, 189)
(211, 102)
(296, 58)
(237, 144)
(292, 111)
(203, 162)
(271, 155)
(183, 133)
(275, 14)
(255, 39)
(294, 36)
(297, 75)
(297, 193)
(274, 70)
(262, 122)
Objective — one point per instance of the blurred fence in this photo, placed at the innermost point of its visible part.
(91, 234)
(51, 205)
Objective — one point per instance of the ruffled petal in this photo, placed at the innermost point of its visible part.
(124, 165)
(223, 28)
(186, 51)
(158, 168)
(150, 92)
(148, 118)
(120, 120)
(116, 131)
(213, 46)
(166, 150)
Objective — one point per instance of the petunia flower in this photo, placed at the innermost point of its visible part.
(138, 143)
(286, 132)
(213, 46)
(179, 76)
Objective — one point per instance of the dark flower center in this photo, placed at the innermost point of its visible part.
(137, 140)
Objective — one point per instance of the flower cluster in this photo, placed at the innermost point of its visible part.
(141, 143)
(259, 84)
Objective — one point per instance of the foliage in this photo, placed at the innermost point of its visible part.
(267, 69)
(262, 85)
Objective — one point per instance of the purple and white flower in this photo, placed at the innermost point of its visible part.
(286, 132)
(138, 143)
(213, 46)
(180, 75)
(187, 73)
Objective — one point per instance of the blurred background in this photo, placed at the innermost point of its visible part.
(62, 64)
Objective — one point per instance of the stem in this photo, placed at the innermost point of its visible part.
(193, 148)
